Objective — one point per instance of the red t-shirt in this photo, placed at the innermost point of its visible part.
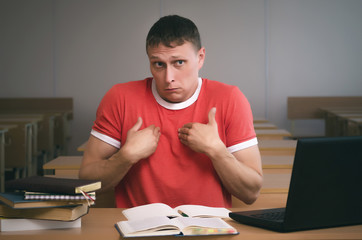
(174, 174)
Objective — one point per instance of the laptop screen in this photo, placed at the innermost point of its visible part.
(326, 184)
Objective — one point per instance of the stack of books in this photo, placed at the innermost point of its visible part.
(35, 203)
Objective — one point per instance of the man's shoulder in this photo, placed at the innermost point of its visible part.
(217, 86)
(133, 84)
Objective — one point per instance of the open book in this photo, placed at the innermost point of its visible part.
(163, 226)
(161, 209)
(159, 219)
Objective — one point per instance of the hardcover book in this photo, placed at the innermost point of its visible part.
(8, 224)
(53, 185)
(54, 213)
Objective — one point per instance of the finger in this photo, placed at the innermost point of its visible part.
(183, 137)
(157, 132)
(211, 116)
(187, 125)
(138, 125)
(183, 130)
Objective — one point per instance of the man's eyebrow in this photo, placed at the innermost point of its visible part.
(173, 57)
(154, 57)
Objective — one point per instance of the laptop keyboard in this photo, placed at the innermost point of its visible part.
(272, 216)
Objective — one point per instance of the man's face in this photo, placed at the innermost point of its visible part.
(176, 70)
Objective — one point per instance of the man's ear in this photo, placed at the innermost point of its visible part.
(201, 56)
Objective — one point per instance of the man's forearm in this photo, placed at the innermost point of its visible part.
(110, 171)
(241, 180)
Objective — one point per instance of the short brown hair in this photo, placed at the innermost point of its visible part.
(173, 29)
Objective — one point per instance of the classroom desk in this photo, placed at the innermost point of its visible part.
(266, 147)
(260, 120)
(22, 158)
(276, 169)
(52, 129)
(337, 119)
(353, 127)
(82, 147)
(264, 125)
(64, 165)
(38, 129)
(3, 130)
(276, 181)
(277, 147)
(273, 134)
(99, 224)
(283, 161)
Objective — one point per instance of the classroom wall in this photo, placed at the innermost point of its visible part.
(270, 49)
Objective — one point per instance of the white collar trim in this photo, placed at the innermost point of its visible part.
(176, 106)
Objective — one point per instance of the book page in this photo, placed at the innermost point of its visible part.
(150, 210)
(203, 211)
(148, 227)
(205, 226)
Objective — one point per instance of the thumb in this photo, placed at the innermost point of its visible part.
(138, 125)
(211, 116)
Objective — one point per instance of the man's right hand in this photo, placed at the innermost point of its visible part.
(140, 143)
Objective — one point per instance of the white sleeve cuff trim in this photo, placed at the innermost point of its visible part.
(243, 145)
(107, 139)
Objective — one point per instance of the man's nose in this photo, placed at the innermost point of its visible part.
(170, 75)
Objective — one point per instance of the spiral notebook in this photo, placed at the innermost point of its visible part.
(65, 197)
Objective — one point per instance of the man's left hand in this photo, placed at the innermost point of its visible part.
(200, 137)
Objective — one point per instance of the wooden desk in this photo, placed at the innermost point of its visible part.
(276, 181)
(64, 165)
(99, 224)
(43, 133)
(277, 173)
(82, 147)
(337, 119)
(21, 157)
(273, 134)
(284, 161)
(265, 125)
(353, 127)
(3, 130)
(60, 108)
(260, 120)
(266, 146)
(277, 147)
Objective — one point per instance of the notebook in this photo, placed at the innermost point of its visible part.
(325, 188)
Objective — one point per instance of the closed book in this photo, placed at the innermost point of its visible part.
(54, 213)
(12, 224)
(53, 185)
(16, 200)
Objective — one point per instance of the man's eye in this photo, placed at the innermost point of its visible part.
(158, 64)
(180, 62)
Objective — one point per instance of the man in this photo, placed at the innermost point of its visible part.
(174, 138)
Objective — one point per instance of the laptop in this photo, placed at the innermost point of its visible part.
(325, 188)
